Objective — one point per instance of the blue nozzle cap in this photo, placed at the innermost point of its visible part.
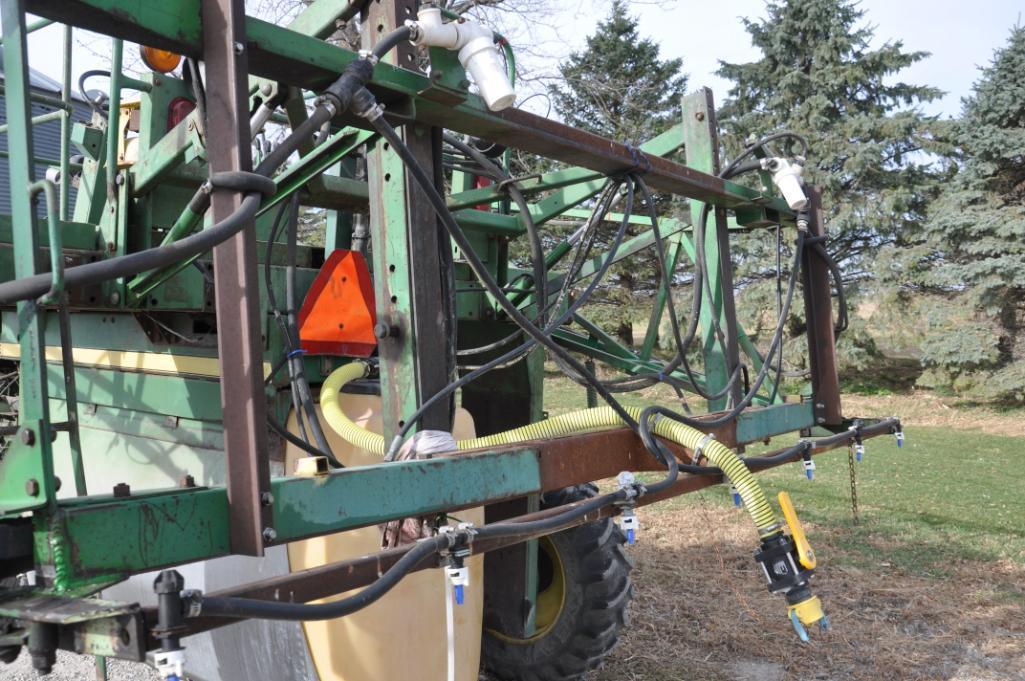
(824, 624)
(736, 499)
(810, 473)
(798, 627)
(459, 594)
(630, 538)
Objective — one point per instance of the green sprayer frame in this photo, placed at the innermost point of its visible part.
(114, 358)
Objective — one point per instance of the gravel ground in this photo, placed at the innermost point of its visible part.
(72, 667)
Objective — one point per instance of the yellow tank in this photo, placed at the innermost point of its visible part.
(403, 636)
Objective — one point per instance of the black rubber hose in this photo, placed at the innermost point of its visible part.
(246, 608)
(537, 254)
(526, 346)
(391, 41)
(272, 304)
(86, 75)
(365, 105)
(298, 442)
(298, 368)
(28, 288)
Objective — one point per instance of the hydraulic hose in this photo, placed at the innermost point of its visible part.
(720, 456)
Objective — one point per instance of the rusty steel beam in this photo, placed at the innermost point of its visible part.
(818, 309)
(236, 284)
(327, 580)
(297, 59)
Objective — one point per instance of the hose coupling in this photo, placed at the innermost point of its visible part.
(789, 564)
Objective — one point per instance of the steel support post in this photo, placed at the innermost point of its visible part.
(236, 284)
(26, 470)
(412, 309)
(721, 356)
(818, 309)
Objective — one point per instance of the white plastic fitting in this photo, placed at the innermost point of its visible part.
(170, 664)
(477, 53)
(787, 178)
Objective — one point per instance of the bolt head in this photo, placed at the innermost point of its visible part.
(28, 436)
(32, 487)
(57, 484)
(239, 48)
(187, 481)
(700, 115)
(267, 499)
(122, 489)
(269, 534)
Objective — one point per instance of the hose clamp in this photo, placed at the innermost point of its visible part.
(192, 599)
(699, 450)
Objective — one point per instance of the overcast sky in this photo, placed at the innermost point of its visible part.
(960, 35)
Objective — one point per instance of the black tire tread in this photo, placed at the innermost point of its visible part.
(581, 639)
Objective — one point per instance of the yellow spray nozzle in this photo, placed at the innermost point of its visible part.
(804, 551)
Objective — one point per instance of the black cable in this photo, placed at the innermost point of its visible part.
(512, 354)
(391, 40)
(242, 608)
(365, 105)
(298, 367)
(272, 304)
(537, 255)
(86, 75)
(305, 446)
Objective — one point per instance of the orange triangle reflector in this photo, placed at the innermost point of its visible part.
(338, 315)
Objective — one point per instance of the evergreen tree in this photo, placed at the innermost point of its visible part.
(819, 77)
(618, 86)
(971, 249)
(621, 88)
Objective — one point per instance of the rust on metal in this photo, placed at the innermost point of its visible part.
(818, 308)
(236, 284)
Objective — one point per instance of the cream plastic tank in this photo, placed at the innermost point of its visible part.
(401, 637)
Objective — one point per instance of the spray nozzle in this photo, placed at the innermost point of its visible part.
(809, 466)
(789, 563)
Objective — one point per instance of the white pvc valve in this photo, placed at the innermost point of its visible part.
(787, 178)
(477, 53)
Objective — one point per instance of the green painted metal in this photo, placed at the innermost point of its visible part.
(754, 425)
(703, 154)
(136, 534)
(99, 539)
(29, 458)
(661, 145)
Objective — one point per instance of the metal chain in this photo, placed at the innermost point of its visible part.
(854, 484)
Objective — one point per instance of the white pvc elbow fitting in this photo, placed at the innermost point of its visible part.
(787, 178)
(477, 53)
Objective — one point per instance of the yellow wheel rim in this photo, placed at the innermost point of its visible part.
(550, 600)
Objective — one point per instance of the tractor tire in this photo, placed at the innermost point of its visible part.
(584, 588)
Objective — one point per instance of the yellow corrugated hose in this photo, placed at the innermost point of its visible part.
(718, 455)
